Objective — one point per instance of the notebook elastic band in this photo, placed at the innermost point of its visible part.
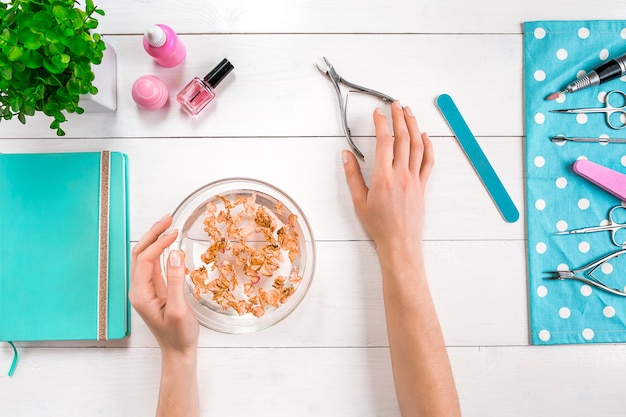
(103, 246)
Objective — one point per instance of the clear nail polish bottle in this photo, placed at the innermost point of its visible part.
(199, 92)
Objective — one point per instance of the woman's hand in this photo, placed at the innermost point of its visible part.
(163, 307)
(392, 208)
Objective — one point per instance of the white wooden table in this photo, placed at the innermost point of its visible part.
(275, 119)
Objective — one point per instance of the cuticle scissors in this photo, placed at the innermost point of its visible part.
(613, 226)
(588, 270)
(336, 79)
(608, 110)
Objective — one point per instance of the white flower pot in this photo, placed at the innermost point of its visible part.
(106, 82)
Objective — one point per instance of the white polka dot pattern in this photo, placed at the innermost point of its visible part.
(568, 311)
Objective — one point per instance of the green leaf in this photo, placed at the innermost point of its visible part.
(24, 19)
(10, 18)
(32, 59)
(42, 22)
(50, 80)
(29, 107)
(15, 53)
(22, 118)
(56, 48)
(50, 109)
(78, 46)
(7, 73)
(10, 36)
(73, 86)
(63, 93)
(91, 24)
(77, 19)
(54, 65)
(15, 106)
(60, 13)
(6, 34)
(19, 71)
(29, 39)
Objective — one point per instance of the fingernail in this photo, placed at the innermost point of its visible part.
(409, 112)
(344, 157)
(379, 112)
(397, 104)
(170, 232)
(175, 259)
(165, 217)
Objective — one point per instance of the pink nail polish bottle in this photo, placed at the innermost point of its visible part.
(149, 92)
(161, 42)
(199, 92)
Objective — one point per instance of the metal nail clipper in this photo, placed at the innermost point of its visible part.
(336, 79)
(588, 270)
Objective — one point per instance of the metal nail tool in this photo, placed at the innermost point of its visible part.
(336, 79)
(613, 226)
(615, 122)
(588, 270)
(561, 138)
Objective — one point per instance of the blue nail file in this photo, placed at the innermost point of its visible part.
(478, 159)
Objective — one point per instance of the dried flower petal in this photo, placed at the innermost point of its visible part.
(235, 232)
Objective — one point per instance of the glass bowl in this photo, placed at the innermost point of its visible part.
(249, 254)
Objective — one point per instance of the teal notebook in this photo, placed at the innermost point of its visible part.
(64, 246)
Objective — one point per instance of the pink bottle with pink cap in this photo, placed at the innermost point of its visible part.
(150, 93)
(161, 42)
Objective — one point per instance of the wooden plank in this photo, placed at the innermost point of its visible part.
(350, 382)
(276, 90)
(478, 304)
(163, 172)
(347, 16)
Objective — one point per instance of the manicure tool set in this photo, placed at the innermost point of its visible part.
(608, 179)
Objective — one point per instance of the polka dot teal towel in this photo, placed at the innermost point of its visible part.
(557, 199)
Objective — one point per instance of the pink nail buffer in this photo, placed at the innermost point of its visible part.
(609, 180)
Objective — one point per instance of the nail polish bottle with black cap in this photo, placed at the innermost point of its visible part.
(200, 91)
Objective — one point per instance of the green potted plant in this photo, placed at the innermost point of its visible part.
(47, 49)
